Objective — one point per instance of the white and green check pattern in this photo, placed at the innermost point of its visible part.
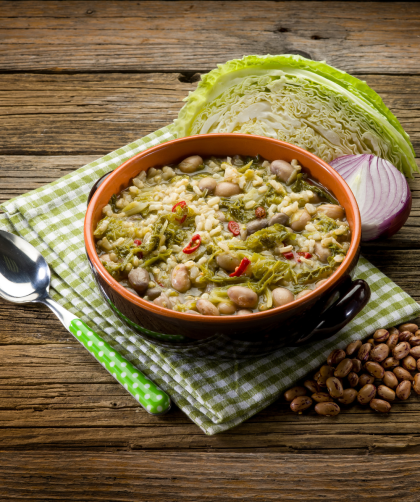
(216, 395)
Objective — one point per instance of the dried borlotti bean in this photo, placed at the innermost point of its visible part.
(321, 397)
(327, 409)
(344, 368)
(336, 357)
(402, 374)
(409, 326)
(409, 363)
(325, 373)
(380, 405)
(414, 341)
(390, 362)
(366, 393)
(335, 389)
(386, 393)
(390, 380)
(381, 371)
(353, 347)
(416, 383)
(294, 392)
(401, 350)
(364, 352)
(300, 403)
(348, 397)
(364, 379)
(375, 369)
(357, 365)
(403, 390)
(381, 335)
(311, 385)
(379, 353)
(353, 379)
(405, 336)
(393, 340)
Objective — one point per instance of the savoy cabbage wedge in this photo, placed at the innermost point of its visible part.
(308, 103)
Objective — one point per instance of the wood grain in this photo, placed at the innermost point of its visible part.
(196, 36)
(95, 114)
(153, 476)
(79, 79)
(53, 394)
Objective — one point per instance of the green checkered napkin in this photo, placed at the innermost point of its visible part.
(215, 394)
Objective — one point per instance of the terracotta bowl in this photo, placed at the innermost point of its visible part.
(318, 315)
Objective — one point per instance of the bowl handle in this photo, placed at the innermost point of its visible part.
(97, 184)
(353, 297)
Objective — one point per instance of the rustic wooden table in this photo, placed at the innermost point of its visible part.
(81, 78)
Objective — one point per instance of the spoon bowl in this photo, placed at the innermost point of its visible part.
(24, 273)
(25, 278)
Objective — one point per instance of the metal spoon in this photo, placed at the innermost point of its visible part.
(25, 278)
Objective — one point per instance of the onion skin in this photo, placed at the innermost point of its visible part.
(385, 191)
(397, 222)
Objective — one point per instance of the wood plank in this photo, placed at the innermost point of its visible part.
(57, 396)
(53, 395)
(123, 476)
(57, 114)
(131, 35)
(95, 114)
(20, 174)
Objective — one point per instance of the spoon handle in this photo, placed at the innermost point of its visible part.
(154, 400)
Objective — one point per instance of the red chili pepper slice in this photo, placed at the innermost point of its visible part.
(234, 227)
(239, 270)
(288, 256)
(137, 242)
(181, 205)
(304, 254)
(260, 212)
(191, 247)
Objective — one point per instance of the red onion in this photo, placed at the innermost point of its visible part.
(381, 191)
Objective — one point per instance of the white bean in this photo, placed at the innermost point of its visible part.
(243, 297)
(190, 164)
(226, 308)
(282, 296)
(244, 312)
(303, 293)
(227, 189)
(299, 220)
(208, 184)
(332, 211)
(163, 301)
(139, 279)
(227, 261)
(322, 252)
(283, 170)
(205, 307)
(180, 279)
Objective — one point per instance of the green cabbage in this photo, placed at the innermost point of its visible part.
(304, 102)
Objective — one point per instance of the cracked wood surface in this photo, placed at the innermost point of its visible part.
(81, 78)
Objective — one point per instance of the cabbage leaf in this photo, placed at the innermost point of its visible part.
(307, 103)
